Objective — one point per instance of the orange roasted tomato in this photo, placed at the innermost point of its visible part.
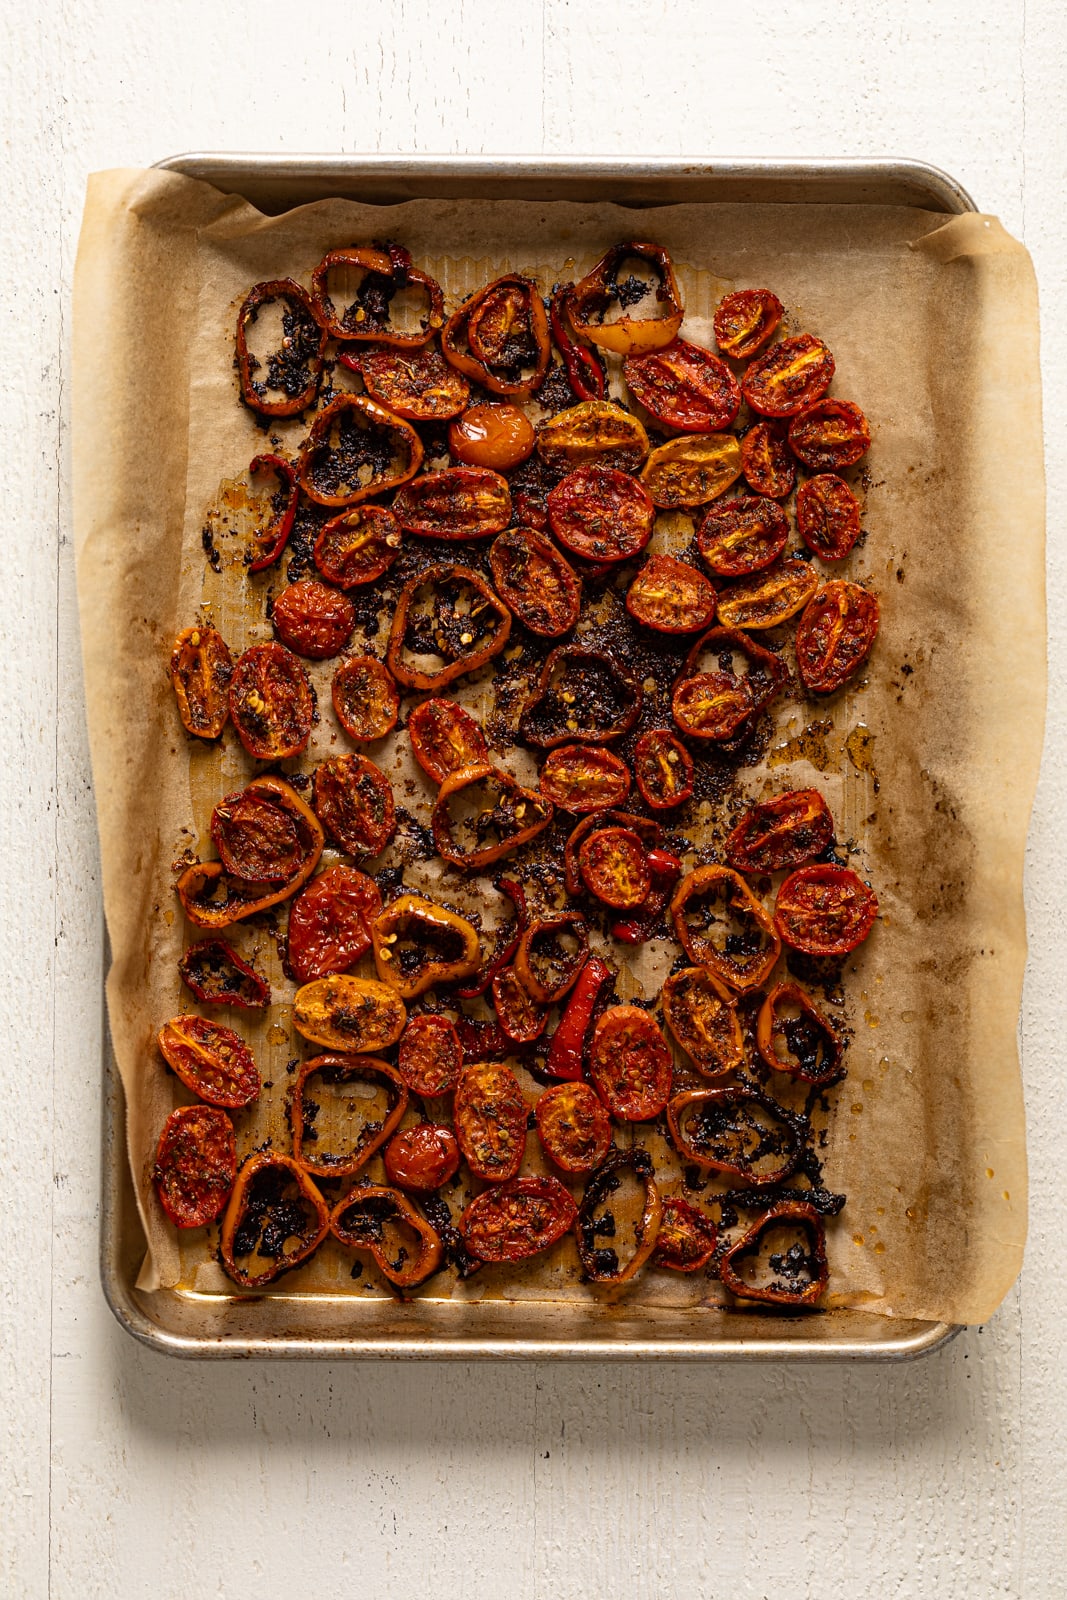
(356, 449)
(200, 669)
(573, 1126)
(365, 698)
(271, 703)
(615, 868)
(350, 1014)
(687, 1237)
(430, 1056)
(767, 463)
(520, 1017)
(671, 596)
(416, 384)
(517, 1220)
(536, 582)
(663, 768)
(830, 435)
(781, 833)
(492, 435)
(354, 802)
(828, 516)
(702, 1015)
(330, 923)
(825, 910)
(685, 387)
(630, 1064)
(835, 635)
(445, 738)
(447, 622)
(600, 514)
(358, 546)
(789, 377)
(691, 470)
(212, 1061)
(742, 536)
(745, 320)
(257, 836)
(721, 925)
(793, 1036)
(422, 1158)
(313, 620)
(490, 1114)
(769, 598)
(195, 1165)
(581, 777)
(593, 434)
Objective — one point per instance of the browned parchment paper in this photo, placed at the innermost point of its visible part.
(929, 765)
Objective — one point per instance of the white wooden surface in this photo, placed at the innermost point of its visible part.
(127, 1474)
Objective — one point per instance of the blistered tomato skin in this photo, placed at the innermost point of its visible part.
(422, 1158)
(313, 620)
(497, 436)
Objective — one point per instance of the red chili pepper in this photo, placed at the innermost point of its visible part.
(503, 954)
(275, 536)
(666, 870)
(584, 372)
(568, 1042)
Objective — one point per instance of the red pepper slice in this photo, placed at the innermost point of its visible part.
(214, 972)
(418, 944)
(195, 1165)
(585, 371)
(370, 1217)
(507, 940)
(273, 539)
(212, 1061)
(367, 1125)
(581, 694)
(567, 1046)
(295, 370)
(509, 817)
(367, 318)
(720, 924)
(275, 1216)
(802, 1275)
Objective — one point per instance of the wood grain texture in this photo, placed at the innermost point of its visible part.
(944, 1477)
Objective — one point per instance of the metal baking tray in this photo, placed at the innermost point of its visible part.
(188, 1323)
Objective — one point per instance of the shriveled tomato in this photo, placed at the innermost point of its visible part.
(789, 377)
(721, 925)
(573, 1127)
(430, 1056)
(276, 1218)
(835, 635)
(581, 778)
(313, 620)
(742, 536)
(691, 470)
(687, 1237)
(418, 944)
(354, 802)
(520, 1017)
(828, 516)
(200, 669)
(614, 866)
(483, 814)
(422, 1158)
(830, 435)
(781, 833)
(685, 387)
(663, 768)
(630, 1064)
(769, 598)
(256, 837)
(351, 1014)
(362, 1122)
(517, 1220)
(745, 320)
(457, 503)
(581, 693)
(445, 738)
(490, 1114)
(551, 953)
(767, 462)
(825, 910)
(794, 1272)
(365, 698)
(330, 923)
(535, 581)
(356, 449)
(593, 434)
(793, 1036)
(447, 622)
(358, 546)
(671, 596)
(702, 1015)
(195, 1165)
(600, 514)
(492, 435)
(212, 1061)
(711, 705)
(271, 703)
(416, 384)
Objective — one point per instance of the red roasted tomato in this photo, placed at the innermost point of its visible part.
(835, 635)
(365, 698)
(574, 1128)
(685, 387)
(457, 503)
(521, 1018)
(745, 320)
(581, 778)
(535, 581)
(354, 802)
(518, 1220)
(212, 1061)
(257, 840)
(312, 620)
(490, 1116)
(195, 1165)
(329, 923)
(601, 515)
(358, 546)
(271, 703)
(687, 1237)
(825, 910)
(416, 384)
(445, 739)
(792, 375)
(830, 435)
(200, 669)
(663, 768)
(781, 833)
(614, 866)
(768, 464)
(671, 596)
(430, 1056)
(828, 516)
(422, 1158)
(742, 536)
(630, 1064)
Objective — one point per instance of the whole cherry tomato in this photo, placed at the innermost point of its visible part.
(422, 1158)
(745, 320)
(601, 514)
(312, 620)
(330, 922)
(195, 1165)
(630, 1064)
(365, 698)
(496, 435)
(671, 596)
(825, 910)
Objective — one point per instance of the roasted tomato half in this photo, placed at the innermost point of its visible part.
(608, 1213)
(830, 435)
(702, 1015)
(271, 703)
(416, 384)
(447, 622)
(793, 1036)
(644, 827)
(781, 833)
(430, 1056)
(745, 320)
(212, 1061)
(781, 1260)
(742, 536)
(217, 976)
(258, 834)
(614, 866)
(200, 669)
(740, 1132)
(356, 449)
(663, 768)
(593, 434)
(536, 582)
(490, 1114)
(789, 377)
(835, 635)
(711, 705)
(828, 516)
(671, 596)
(346, 1013)
(600, 303)
(630, 1064)
(354, 802)
(195, 1165)
(276, 1218)
(445, 738)
(521, 1018)
(358, 546)
(685, 387)
(422, 1158)
(768, 464)
(313, 620)
(573, 1126)
(365, 698)
(497, 436)
(283, 381)
(355, 1105)
(692, 470)
(517, 1220)
(687, 1237)
(581, 694)
(483, 814)
(726, 679)
(499, 337)
(580, 778)
(769, 598)
(418, 944)
(601, 515)
(721, 925)
(457, 503)
(825, 910)
(330, 923)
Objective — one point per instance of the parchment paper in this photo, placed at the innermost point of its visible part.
(928, 764)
